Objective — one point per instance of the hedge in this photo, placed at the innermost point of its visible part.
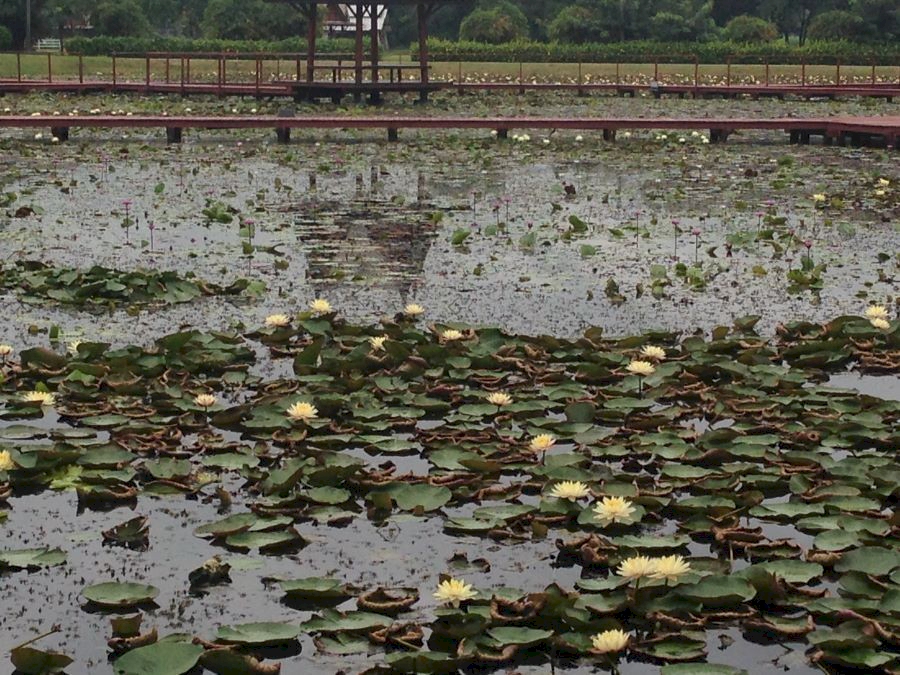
(644, 51)
(103, 46)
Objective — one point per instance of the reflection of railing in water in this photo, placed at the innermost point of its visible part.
(368, 236)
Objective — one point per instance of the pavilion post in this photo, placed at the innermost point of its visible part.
(312, 15)
(359, 50)
(373, 36)
(422, 13)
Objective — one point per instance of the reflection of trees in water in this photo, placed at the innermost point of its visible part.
(367, 238)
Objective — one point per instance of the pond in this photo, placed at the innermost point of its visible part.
(758, 447)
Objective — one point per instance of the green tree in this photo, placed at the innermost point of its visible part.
(495, 22)
(120, 17)
(882, 18)
(251, 20)
(746, 28)
(574, 24)
(837, 25)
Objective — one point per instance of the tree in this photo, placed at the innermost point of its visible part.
(251, 20)
(724, 11)
(793, 16)
(837, 25)
(574, 24)
(882, 18)
(496, 22)
(746, 28)
(120, 17)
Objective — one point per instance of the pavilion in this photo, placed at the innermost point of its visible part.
(369, 77)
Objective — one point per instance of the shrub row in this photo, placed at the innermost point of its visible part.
(643, 51)
(102, 46)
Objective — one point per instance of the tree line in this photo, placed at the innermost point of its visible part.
(492, 21)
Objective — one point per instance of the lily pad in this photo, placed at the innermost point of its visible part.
(113, 594)
(258, 634)
(162, 658)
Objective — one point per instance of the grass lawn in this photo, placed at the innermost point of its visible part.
(37, 66)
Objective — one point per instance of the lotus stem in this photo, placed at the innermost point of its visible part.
(55, 629)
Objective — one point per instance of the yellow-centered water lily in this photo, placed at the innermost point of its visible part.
(412, 309)
(42, 397)
(609, 641)
(541, 443)
(670, 567)
(377, 342)
(302, 410)
(277, 320)
(320, 306)
(451, 335)
(613, 510)
(880, 324)
(454, 591)
(641, 368)
(636, 567)
(819, 198)
(500, 398)
(5, 350)
(876, 312)
(653, 353)
(573, 490)
(6, 463)
(205, 400)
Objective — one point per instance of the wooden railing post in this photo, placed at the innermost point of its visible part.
(18, 67)
(114, 70)
(803, 73)
(167, 70)
(49, 67)
(147, 72)
(767, 71)
(728, 72)
(837, 74)
(80, 69)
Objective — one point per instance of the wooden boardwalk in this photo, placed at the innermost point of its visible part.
(335, 90)
(861, 131)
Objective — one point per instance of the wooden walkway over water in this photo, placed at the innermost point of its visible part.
(336, 89)
(859, 131)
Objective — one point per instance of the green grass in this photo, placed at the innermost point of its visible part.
(35, 66)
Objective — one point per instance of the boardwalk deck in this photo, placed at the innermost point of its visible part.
(301, 90)
(883, 131)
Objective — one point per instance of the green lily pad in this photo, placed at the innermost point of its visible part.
(119, 595)
(258, 634)
(162, 658)
(719, 591)
(315, 588)
(32, 558)
(331, 621)
(700, 669)
(873, 560)
(31, 661)
(518, 635)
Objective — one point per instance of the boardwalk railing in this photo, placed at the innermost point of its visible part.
(857, 130)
